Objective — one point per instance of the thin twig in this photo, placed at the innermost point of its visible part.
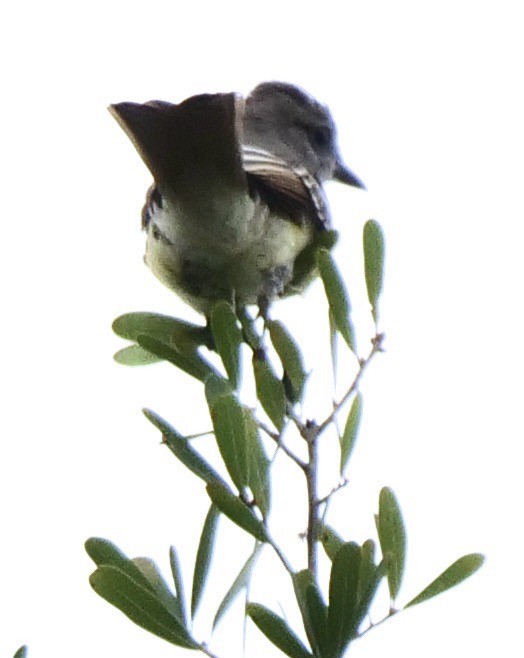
(256, 548)
(364, 363)
(273, 435)
(280, 554)
(310, 431)
(304, 429)
(255, 341)
(278, 440)
(343, 483)
(392, 612)
(327, 499)
(204, 648)
(251, 335)
(189, 437)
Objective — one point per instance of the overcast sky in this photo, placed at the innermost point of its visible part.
(428, 100)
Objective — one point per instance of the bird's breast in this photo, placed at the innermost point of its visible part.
(244, 257)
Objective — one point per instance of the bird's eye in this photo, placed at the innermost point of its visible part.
(322, 137)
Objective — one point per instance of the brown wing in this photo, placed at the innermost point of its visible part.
(285, 188)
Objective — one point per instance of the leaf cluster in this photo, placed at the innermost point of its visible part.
(333, 617)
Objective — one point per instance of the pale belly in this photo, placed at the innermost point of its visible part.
(203, 267)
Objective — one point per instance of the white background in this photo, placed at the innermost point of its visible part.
(428, 99)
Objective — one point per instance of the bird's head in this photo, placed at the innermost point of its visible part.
(290, 123)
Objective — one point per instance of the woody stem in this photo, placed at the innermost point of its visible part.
(312, 493)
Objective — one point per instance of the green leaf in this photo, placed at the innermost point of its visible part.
(183, 450)
(270, 389)
(259, 464)
(317, 614)
(236, 510)
(161, 327)
(142, 570)
(367, 565)
(291, 358)
(374, 247)
(249, 330)
(367, 587)
(22, 652)
(337, 296)
(305, 267)
(230, 431)
(463, 568)
(331, 541)
(302, 580)
(343, 598)
(277, 631)
(140, 605)
(349, 436)
(392, 536)
(228, 339)
(189, 362)
(104, 552)
(150, 570)
(134, 355)
(240, 583)
(176, 572)
(204, 554)
(333, 345)
(216, 387)
(313, 610)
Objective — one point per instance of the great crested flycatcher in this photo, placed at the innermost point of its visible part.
(238, 200)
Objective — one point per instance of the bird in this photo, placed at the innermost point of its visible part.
(237, 206)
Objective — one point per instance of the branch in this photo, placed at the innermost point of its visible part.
(326, 501)
(280, 443)
(343, 483)
(376, 343)
(280, 554)
(310, 432)
(312, 495)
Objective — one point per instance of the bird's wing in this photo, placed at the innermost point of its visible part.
(154, 203)
(285, 187)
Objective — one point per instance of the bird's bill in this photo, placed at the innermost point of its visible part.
(344, 175)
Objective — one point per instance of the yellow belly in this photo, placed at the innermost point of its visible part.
(204, 269)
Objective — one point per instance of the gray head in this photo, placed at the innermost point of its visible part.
(290, 123)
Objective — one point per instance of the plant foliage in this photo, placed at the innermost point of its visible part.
(333, 617)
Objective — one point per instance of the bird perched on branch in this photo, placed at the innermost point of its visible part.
(237, 206)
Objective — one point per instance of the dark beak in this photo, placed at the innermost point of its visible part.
(344, 175)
